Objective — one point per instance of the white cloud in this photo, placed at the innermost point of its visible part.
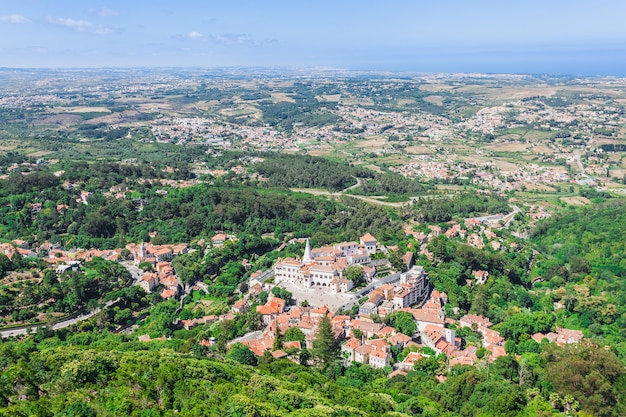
(196, 36)
(14, 18)
(104, 12)
(234, 39)
(80, 25)
(225, 39)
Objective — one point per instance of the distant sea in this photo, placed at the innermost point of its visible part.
(600, 60)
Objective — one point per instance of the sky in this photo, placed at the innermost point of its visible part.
(571, 37)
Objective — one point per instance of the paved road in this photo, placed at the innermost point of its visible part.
(135, 272)
(506, 220)
(247, 337)
(19, 331)
(579, 163)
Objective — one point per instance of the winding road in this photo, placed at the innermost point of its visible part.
(22, 330)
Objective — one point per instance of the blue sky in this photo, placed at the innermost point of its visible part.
(553, 36)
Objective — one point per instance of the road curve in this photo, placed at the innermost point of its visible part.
(22, 330)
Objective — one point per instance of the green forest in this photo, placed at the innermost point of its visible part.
(99, 373)
(572, 260)
(581, 262)
(180, 216)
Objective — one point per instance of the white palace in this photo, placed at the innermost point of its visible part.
(323, 267)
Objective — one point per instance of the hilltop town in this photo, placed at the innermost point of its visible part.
(408, 239)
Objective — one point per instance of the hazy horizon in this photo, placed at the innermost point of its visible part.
(557, 37)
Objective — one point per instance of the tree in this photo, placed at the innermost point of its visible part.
(5, 264)
(294, 334)
(278, 340)
(98, 225)
(506, 367)
(78, 409)
(355, 274)
(281, 293)
(579, 265)
(396, 261)
(242, 354)
(124, 254)
(187, 266)
(145, 266)
(325, 345)
(589, 374)
(404, 323)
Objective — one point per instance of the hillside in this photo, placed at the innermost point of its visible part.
(89, 374)
(581, 261)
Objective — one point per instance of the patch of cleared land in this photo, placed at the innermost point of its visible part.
(241, 111)
(60, 119)
(357, 101)
(320, 151)
(603, 140)
(376, 142)
(509, 93)
(8, 144)
(277, 97)
(543, 149)
(438, 100)
(374, 168)
(436, 87)
(418, 150)
(81, 109)
(153, 107)
(393, 159)
(509, 147)
(619, 173)
(38, 154)
(540, 187)
(331, 97)
(576, 201)
(473, 158)
(510, 137)
(505, 165)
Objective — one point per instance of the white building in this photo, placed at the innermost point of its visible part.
(149, 281)
(322, 267)
(370, 243)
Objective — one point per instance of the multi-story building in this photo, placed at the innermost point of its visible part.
(323, 267)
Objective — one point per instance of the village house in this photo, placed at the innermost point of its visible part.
(399, 340)
(72, 266)
(376, 352)
(240, 306)
(439, 339)
(480, 276)
(408, 363)
(367, 328)
(219, 239)
(370, 243)
(561, 337)
(169, 293)
(149, 281)
(271, 309)
(474, 322)
(434, 231)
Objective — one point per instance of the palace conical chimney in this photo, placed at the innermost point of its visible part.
(307, 253)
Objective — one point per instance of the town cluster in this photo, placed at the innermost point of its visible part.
(367, 341)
